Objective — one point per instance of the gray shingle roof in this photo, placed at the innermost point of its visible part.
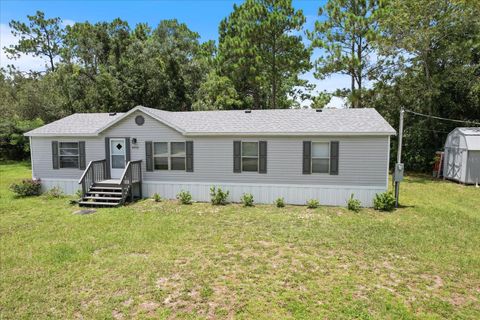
(77, 124)
(258, 122)
(284, 121)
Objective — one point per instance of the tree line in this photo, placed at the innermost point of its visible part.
(423, 55)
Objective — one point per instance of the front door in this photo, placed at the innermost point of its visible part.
(117, 157)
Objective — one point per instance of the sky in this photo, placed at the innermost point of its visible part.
(201, 16)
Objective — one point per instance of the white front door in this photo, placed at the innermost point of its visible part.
(117, 157)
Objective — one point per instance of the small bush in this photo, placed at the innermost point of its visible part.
(312, 204)
(26, 188)
(384, 201)
(79, 193)
(218, 196)
(184, 197)
(156, 197)
(354, 204)
(54, 193)
(247, 200)
(279, 202)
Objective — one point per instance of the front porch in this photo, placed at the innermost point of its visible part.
(99, 190)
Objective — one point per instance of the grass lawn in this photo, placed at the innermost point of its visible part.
(165, 260)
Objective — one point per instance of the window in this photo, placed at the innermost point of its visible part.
(169, 156)
(177, 153)
(160, 155)
(68, 154)
(320, 157)
(250, 156)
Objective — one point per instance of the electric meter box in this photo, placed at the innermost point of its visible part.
(398, 174)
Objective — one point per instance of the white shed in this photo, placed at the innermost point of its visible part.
(462, 155)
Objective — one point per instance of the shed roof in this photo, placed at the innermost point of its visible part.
(469, 131)
(471, 135)
(365, 121)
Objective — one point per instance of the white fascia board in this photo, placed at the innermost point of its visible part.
(174, 127)
(60, 134)
(139, 108)
(286, 134)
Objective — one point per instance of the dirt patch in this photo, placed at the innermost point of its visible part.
(117, 315)
(127, 303)
(435, 281)
(149, 307)
(186, 295)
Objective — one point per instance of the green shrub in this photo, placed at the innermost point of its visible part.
(279, 202)
(247, 200)
(354, 204)
(184, 197)
(218, 196)
(384, 201)
(26, 188)
(313, 203)
(54, 193)
(156, 197)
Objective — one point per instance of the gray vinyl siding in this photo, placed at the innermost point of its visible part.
(363, 160)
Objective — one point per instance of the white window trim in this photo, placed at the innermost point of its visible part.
(249, 157)
(169, 155)
(312, 157)
(60, 156)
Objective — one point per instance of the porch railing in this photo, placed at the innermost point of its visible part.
(131, 175)
(96, 171)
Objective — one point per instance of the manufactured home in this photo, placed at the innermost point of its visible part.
(462, 155)
(297, 154)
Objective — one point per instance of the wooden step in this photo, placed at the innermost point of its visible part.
(103, 198)
(105, 188)
(97, 203)
(113, 193)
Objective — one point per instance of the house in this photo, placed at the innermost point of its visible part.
(462, 155)
(295, 154)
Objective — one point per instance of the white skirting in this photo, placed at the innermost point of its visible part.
(262, 193)
(267, 193)
(68, 186)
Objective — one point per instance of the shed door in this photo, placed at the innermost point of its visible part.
(473, 167)
(117, 157)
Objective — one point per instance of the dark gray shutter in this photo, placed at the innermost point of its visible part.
(262, 167)
(55, 159)
(107, 157)
(334, 157)
(189, 156)
(148, 155)
(307, 157)
(81, 154)
(237, 156)
(127, 151)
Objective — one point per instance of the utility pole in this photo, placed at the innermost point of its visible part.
(398, 173)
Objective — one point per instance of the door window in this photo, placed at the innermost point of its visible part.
(117, 151)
